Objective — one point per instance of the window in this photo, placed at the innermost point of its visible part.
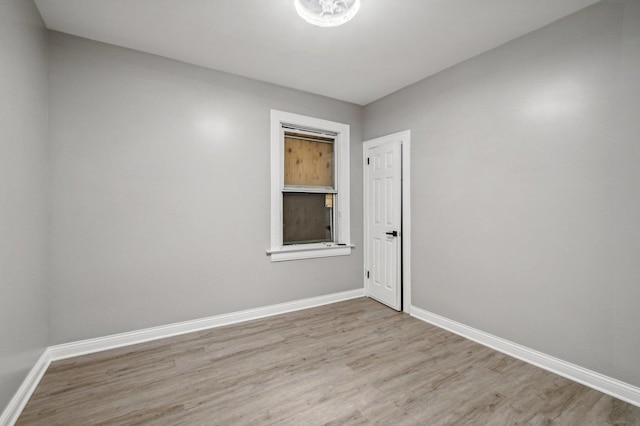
(309, 187)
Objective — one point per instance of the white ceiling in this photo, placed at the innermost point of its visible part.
(387, 46)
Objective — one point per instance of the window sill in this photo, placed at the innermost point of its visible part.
(309, 251)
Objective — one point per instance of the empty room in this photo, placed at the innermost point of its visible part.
(314, 212)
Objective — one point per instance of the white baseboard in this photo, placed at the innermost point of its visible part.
(52, 353)
(84, 347)
(597, 381)
(11, 413)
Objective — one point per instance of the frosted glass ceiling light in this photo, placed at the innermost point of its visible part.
(327, 13)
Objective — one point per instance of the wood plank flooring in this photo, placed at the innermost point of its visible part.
(352, 363)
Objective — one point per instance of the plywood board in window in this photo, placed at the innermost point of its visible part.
(308, 163)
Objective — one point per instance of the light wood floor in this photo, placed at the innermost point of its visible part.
(355, 363)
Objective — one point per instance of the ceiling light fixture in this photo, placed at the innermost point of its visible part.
(327, 13)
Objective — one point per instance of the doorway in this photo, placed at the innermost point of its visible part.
(387, 224)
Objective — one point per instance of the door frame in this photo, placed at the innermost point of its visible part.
(405, 143)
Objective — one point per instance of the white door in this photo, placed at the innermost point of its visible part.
(383, 221)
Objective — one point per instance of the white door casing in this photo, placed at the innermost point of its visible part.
(383, 220)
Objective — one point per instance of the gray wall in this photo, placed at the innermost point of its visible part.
(160, 192)
(23, 132)
(623, 277)
(526, 188)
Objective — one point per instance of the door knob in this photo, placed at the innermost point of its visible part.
(392, 233)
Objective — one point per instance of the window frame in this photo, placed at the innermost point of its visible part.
(342, 232)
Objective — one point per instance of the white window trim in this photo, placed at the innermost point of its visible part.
(342, 246)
